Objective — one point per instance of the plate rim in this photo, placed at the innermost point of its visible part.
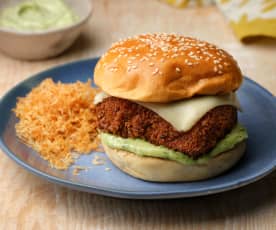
(124, 193)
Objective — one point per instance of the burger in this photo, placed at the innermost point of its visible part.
(168, 109)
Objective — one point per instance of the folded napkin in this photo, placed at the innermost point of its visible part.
(248, 18)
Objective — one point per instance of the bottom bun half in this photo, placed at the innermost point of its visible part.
(162, 170)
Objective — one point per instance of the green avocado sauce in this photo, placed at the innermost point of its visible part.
(37, 15)
(143, 148)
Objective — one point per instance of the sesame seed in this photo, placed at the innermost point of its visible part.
(155, 71)
(215, 68)
(175, 49)
(177, 69)
(165, 48)
(142, 59)
(151, 64)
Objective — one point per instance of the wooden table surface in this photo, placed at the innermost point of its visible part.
(29, 202)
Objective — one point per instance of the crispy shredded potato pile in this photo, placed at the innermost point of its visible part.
(57, 119)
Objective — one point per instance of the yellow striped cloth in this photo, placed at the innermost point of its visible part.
(248, 18)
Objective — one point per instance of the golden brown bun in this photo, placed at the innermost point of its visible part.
(166, 67)
(161, 170)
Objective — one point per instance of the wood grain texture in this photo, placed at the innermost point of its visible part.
(28, 202)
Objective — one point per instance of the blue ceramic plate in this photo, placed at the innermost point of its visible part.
(260, 159)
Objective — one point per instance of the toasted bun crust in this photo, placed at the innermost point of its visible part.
(161, 170)
(166, 67)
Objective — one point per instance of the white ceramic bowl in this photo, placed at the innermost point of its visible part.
(45, 44)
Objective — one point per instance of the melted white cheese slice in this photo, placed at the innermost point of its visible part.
(99, 97)
(183, 115)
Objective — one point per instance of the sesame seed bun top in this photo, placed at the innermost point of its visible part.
(166, 67)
